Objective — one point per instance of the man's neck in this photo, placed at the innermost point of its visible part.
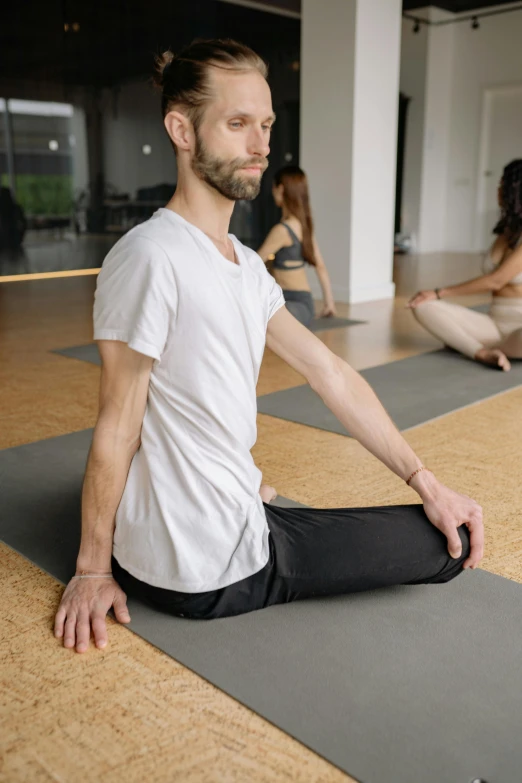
(204, 207)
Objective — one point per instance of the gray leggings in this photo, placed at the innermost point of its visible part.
(301, 305)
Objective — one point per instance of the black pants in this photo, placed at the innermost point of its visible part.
(317, 552)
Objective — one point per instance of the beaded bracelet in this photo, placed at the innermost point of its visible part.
(84, 575)
(415, 473)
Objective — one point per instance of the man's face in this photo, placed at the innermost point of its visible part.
(232, 141)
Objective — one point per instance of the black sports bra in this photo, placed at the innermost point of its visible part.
(292, 253)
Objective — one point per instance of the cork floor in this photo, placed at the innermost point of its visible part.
(130, 712)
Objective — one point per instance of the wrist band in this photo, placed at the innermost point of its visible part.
(415, 473)
(437, 292)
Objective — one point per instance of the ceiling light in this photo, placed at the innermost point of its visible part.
(146, 149)
(416, 26)
(475, 24)
(53, 145)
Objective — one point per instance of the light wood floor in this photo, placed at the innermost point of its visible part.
(131, 713)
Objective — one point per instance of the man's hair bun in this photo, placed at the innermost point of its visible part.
(160, 63)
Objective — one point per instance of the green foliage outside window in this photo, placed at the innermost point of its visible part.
(40, 194)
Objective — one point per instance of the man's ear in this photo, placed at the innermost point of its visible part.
(180, 130)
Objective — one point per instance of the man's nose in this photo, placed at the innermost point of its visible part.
(258, 143)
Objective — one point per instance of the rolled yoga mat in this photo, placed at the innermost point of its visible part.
(406, 685)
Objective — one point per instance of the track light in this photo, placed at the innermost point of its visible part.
(416, 26)
(475, 24)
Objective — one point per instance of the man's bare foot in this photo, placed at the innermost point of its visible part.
(267, 493)
(494, 358)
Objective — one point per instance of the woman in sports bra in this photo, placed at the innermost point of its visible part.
(291, 245)
(496, 337)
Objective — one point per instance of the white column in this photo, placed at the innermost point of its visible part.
(414, 55)
(437, 119)
(349, 97)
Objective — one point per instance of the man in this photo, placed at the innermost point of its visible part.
(182, 314)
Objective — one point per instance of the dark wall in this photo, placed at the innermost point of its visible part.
(115, 44)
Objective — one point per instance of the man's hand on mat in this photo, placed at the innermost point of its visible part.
(447, 510)
(421, 297)
(84, 605)
(267, 493)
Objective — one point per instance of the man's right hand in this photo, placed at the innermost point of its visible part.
(84, 605)
(267, 493)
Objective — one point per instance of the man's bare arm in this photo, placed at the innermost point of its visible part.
(357, 407)
(123, 397)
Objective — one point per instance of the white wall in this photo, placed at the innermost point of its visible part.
(488, 57)
(136, 121)
(436, 138)
(426, 77)
(446, 71)
(414, 52)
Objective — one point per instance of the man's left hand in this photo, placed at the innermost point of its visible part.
(447, 510)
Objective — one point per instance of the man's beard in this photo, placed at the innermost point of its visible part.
(223, 175)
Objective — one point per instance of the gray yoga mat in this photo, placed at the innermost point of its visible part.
(90, 353)
(319, 324)
(86, 353)
(406, 685)
(287, 503)
(413, 391)
(481, 308)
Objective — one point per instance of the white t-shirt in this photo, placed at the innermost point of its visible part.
(190, 518)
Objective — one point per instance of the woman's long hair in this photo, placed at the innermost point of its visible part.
(297, 201)
(510, 223)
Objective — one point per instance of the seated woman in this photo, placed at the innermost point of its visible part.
(291, 244)
(496, 337)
